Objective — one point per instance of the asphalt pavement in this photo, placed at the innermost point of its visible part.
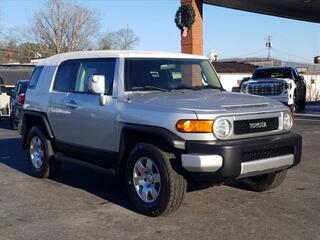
(82, 203)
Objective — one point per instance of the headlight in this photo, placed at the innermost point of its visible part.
(222, 128)
(287, 121)
(244, 87)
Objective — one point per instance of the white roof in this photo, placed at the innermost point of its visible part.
(57, 59)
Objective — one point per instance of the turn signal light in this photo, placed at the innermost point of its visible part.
(194, 126)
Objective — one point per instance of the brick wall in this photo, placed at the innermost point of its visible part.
(193, 43)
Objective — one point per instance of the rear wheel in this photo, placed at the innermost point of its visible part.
(302, 104)
(154, 188)
(265, 182)
(40, 155)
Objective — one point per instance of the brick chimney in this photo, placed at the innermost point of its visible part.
(193, 43)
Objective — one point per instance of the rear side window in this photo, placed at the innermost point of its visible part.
(23, 87)
(35, 77)
(66, 77)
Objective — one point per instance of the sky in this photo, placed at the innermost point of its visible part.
(231, 33)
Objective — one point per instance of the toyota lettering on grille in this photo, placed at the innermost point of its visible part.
(258, 125)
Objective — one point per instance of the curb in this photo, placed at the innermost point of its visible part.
(311, 115)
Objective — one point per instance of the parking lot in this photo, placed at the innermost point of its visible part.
(82, 203)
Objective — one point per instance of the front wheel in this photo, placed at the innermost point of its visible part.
(154, 188)
(265, 182)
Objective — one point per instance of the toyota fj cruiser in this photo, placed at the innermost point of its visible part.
(159, 120)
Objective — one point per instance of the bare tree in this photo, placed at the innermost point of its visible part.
(122, 39)
(0, 20)
(64, 26)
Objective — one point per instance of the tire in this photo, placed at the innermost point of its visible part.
(292, 108)
(302, 105)
(265, 182)
(169, 185)
(40, 155)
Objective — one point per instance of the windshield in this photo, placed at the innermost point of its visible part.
(272, 73)
(169, 74)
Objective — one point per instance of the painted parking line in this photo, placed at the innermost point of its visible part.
(307, 116)
(307, 119)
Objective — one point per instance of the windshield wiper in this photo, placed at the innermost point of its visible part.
(150, 87)
(183, 86)
(213, 87)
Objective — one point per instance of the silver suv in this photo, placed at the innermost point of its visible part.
(159, 120)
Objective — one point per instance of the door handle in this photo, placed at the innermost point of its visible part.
(72, 104)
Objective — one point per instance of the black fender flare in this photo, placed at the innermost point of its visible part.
(33, 118)
(143, 132)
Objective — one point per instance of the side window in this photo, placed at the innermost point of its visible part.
(35, 77)
(16, 89)
(90, 67)
(66, 76)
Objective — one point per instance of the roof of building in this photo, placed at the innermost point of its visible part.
(306, 10)
(57, 59)
(265, 62)
(233, 67)
(10, 74)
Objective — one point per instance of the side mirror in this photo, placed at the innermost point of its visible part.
(96, 84)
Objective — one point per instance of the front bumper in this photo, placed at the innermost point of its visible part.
(223, 160)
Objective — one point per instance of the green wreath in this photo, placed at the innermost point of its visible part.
(185, 17)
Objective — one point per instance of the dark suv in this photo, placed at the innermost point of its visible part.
(17, 96)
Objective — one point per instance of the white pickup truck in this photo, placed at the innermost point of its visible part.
(283, 84)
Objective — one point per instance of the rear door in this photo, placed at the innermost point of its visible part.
(58, 111)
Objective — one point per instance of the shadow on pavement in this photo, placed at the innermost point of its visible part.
(5, 123)
(90, 180)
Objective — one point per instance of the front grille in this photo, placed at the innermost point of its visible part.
(266, 153)
(265, 89)
(255, 125)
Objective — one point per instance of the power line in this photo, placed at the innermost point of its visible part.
(249, 54)
(290, 54)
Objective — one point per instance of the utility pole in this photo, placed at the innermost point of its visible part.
(126, 38)
(269, 46)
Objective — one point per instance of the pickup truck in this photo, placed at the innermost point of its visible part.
(159, 120)
(283, 84)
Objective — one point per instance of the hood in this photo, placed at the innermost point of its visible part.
(268, 80)
(203, 101)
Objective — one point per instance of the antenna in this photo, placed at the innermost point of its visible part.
(269, 46)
